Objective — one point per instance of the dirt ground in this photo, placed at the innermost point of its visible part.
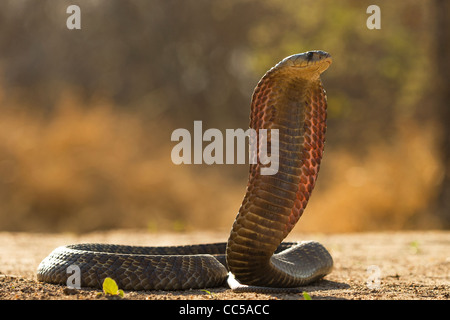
(368, 266)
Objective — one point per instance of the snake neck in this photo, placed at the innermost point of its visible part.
(273, 203)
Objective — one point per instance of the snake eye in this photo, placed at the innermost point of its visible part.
(309, 55)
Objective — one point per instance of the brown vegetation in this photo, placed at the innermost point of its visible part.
(86, 115)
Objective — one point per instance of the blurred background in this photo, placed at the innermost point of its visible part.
(86, 115)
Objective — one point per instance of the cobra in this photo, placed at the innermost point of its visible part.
(289, 97)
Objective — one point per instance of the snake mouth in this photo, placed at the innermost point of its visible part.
(316, 60)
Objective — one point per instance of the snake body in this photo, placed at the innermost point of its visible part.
(289, 97)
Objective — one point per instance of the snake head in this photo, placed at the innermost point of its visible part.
(310, 64)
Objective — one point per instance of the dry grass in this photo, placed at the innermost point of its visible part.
(390, 188)
(94, 167)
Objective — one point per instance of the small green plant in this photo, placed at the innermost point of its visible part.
(414, 247)
(210, 293)
(179, 226)
(110, 287)
(306, 295)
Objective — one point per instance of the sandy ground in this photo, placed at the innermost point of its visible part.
(368, 266)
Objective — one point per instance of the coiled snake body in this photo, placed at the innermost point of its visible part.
(290, 98)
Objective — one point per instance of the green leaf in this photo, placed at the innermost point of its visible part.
(110, 286)
(306, 296)
(211, 294)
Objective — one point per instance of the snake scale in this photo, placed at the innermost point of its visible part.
(289, 97)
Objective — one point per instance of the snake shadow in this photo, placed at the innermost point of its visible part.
(217, 292)
(324, 285)
(319, 286)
